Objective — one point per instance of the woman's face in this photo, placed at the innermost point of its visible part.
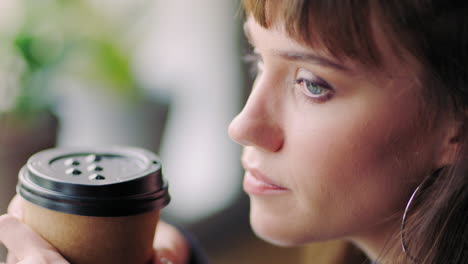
(331, 149)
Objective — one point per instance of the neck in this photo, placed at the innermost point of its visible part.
(381, 244)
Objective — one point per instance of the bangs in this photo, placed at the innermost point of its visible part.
(341, 27)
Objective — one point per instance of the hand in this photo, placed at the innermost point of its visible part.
(170, 245)
(24, 245)
(27, 247)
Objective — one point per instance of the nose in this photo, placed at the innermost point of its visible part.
(259, 123)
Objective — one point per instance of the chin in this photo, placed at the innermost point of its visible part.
(288, 229)
(281, 242)
(276, 233)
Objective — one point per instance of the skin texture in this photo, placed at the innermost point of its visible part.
(346, 158)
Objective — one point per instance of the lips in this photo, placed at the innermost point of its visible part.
(262, 178)
(256, 183)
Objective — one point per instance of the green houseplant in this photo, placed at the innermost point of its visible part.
(28, 123)
(54, 38)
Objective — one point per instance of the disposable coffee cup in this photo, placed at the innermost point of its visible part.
(95, 206)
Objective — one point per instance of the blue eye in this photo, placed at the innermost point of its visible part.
(318, 90)
(314, 88)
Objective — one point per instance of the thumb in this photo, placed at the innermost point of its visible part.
(15, 207)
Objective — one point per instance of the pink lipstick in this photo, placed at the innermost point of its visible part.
(255, 183)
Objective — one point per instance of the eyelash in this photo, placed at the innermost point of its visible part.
(255, 63)
(326, 89)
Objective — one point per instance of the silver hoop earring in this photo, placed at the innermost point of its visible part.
(424, 184)
(404, 245)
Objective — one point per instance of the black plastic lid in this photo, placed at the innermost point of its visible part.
(115, 181)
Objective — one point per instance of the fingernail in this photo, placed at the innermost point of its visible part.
(164, 260)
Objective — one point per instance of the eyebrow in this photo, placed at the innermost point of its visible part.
(311, 58)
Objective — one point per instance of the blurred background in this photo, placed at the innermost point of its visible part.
(163, 75)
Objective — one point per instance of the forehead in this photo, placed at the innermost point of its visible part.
(392, 64)
(277, 42)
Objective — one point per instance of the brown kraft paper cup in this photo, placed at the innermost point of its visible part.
(93, 240)
(117, 227)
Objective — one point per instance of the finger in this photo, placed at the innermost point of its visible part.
(165, 256)
(171, 244)
(24, 243)
(30, 261)
(11, 259)
(15, 207)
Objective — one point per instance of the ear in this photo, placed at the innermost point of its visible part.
(452, 135)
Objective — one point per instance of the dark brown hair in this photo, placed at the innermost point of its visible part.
(435, 34)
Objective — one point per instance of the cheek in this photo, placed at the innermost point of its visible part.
(358, 167)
